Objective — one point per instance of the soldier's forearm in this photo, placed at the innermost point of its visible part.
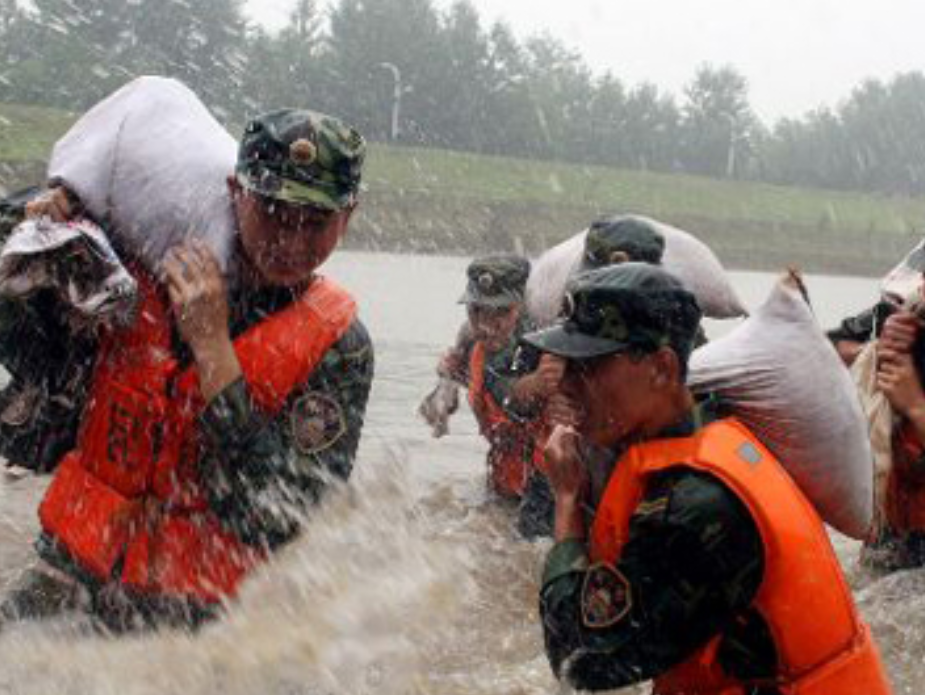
(218, 367)
(569, 524)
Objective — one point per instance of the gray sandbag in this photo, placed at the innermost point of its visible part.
(549, 275)
(784, 380)
(686, 257)
(150, 163)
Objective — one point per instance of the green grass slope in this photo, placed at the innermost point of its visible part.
(428, 200)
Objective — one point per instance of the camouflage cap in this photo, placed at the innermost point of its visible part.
(301, 158)
(619, 308)
(619, 239)
(496, 281)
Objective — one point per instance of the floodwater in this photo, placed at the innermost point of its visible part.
(409, 582)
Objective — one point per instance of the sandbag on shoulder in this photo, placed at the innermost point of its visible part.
(150, 162)
(549, 275)
(784, 380)
(686, 257)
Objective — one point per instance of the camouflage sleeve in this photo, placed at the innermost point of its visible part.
(862, 327)
(500, 378)
(465, 341)
(693, 561)
(262, 474)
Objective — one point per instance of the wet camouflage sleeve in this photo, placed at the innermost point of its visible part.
(263, 474)
(502, 371)
(465, 341)
(693, 562)
(867, 325)
(862, 327)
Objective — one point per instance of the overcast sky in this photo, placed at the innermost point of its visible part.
(796, 54)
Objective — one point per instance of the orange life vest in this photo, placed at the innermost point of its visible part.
(515, 448)
(823, 646)
(905, 493)
(127, 504)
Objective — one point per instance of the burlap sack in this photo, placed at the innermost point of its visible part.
(785, 381)
(150, 162)
(686, 257)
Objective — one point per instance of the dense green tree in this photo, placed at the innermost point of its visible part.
(813, 152)
(460, 87)
(650, 127)
(10, 13)
(605, 123)
(885, 124)
(510, 125)
(560, 86)
(286, 69)
(201, 43)
(70, 55)
(459, 97)
(305, 23)
(367, 34)
(67, 55)
(718, 122)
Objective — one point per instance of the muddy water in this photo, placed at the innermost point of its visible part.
(409, 582)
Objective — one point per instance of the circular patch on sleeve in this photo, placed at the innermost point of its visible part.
(317, 422)
(605, 597)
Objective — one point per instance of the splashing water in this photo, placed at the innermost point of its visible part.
(408, 582)
(350, 607)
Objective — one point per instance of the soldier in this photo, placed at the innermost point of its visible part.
(220, 415)
(622, 239)
(900, 377)
(508, 385)
(610, 240)
(700, 545)
(619, 239)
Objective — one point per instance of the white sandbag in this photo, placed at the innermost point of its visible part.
(151, 163)
(785, 381)
(548, 276)
(695, 264)
(902, 286)
(686, 257)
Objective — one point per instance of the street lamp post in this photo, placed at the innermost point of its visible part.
(731, 149)
(396, 96)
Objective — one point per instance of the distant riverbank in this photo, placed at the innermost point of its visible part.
(440, 224)
(447, 220)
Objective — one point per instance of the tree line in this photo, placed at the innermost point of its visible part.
(461, 84)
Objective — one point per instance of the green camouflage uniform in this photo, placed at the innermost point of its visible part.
(261, 473)
(40, 406)
(497, 282)
(693, 559)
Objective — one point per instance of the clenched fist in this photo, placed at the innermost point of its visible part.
(565, 468)
(198, 295)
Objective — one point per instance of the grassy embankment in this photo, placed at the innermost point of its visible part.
(427, 200)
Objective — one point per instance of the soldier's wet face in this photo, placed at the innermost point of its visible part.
(286, 243)
(493, 326)
(615, 395)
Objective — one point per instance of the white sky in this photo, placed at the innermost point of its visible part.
(796, 54)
